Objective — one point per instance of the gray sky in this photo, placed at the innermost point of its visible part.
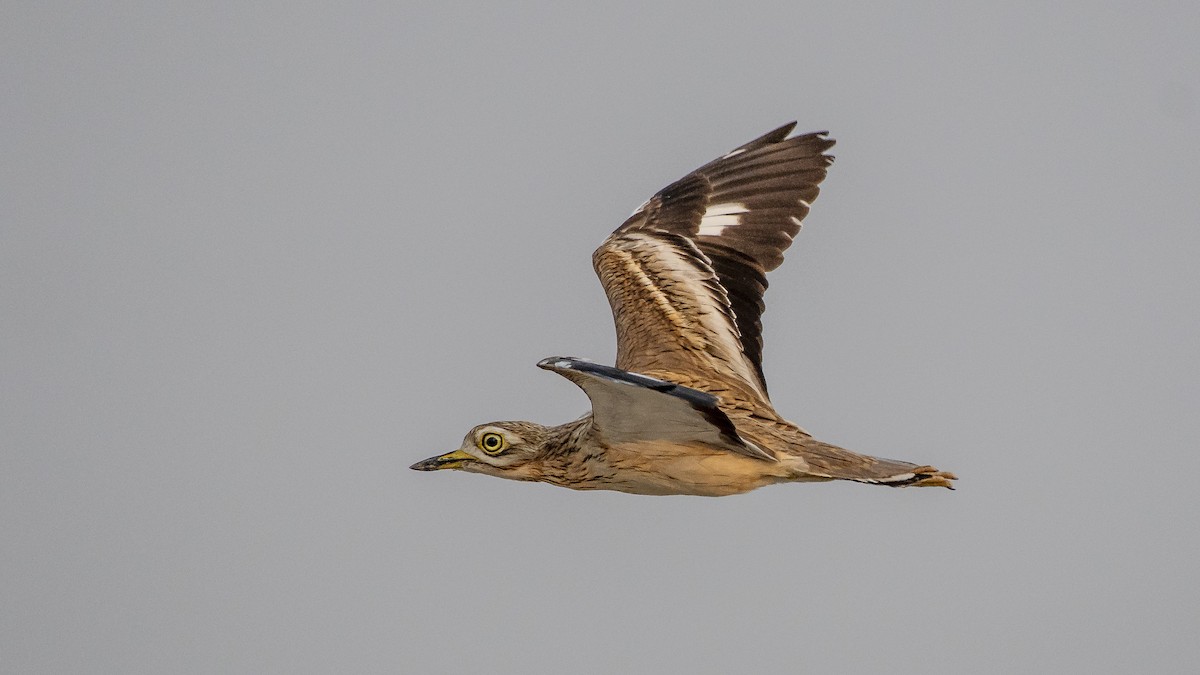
(255, 260)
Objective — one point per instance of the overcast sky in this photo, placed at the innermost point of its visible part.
(257, 258)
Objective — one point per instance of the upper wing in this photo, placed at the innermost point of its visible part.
(685, 274)
(631, 407)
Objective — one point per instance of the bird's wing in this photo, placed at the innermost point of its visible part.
(631, 407)
(685, 274)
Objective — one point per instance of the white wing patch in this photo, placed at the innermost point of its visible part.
(720, 216)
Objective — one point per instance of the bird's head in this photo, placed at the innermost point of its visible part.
(504, 449)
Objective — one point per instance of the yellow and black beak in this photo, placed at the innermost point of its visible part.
(450, 460)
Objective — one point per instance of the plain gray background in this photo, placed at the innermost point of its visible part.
(256, 259)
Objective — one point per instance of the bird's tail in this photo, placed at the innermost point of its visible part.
(919, 476)
(830, 461)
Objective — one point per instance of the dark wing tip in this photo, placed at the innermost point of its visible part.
(769, 138)
(562, 363)
(776, 135)
(559, 362)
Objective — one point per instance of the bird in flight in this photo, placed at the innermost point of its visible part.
(685, 410)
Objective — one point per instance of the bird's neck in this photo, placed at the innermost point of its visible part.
(565, 438)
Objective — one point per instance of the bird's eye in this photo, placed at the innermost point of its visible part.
(492, 443)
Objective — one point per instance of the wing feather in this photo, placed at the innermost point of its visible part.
(629, 407)
(686, 273)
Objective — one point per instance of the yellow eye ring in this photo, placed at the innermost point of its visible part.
(492, 443)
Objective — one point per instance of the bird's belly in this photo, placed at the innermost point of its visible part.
(653, 468)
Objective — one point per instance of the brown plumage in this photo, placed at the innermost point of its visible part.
(686, 409)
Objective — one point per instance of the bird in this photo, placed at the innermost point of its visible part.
(685, 410)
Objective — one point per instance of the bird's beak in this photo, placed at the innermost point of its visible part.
(450, 460)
